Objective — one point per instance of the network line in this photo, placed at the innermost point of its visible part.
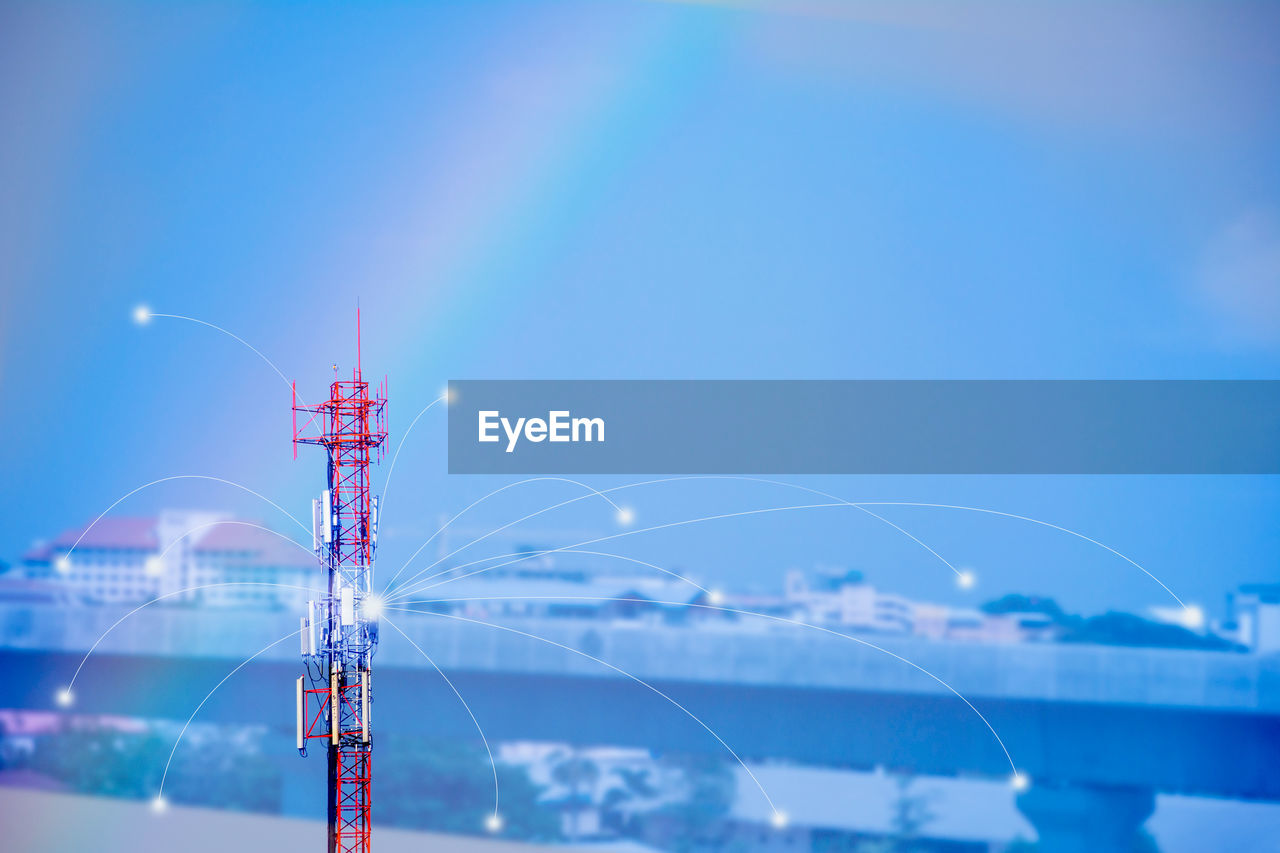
(66, 696)
(143, 315)
(621, 513)
(1016, 774)
(159, 800)
(964, 577)
(495, 818)
(386, 483)
(620, 671)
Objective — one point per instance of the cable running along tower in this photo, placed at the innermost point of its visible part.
(340, 629)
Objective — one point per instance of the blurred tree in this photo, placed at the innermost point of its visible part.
(1110, 629)
(1018, 603)
(580, 776)
(697, 820)
(103, 761)
(636, 788)
(204, 771)
(1125, 629)
(636, 782)
(214, 772)
(911, 813)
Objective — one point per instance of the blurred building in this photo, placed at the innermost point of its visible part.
(843, 598)
(179, 556)
(1253, 617)
(543, 589)
(547, 585)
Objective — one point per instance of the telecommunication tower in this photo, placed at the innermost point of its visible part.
(340, 628)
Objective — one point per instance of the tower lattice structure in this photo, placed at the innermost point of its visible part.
(340, 628)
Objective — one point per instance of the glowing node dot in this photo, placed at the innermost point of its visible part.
(448, 396)
(373, 606)
(966, 579)
(715, 597)
(64, 698)
(153, 566)
(493, 823)
(626, 515)
(63, 564)
(779, 819)
(142, 315)
(1193, 617)
(1020, 781)
(159, 805)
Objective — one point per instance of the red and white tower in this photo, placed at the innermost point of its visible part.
(340, 629)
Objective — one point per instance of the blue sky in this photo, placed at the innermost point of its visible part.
(763, 190)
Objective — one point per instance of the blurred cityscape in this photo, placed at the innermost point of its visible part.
(211, 559)
(860, 767)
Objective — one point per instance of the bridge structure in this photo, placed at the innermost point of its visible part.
(1099, 730)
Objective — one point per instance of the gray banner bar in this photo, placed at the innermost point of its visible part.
(864, 427)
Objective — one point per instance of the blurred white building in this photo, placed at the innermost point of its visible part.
(182, 557)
